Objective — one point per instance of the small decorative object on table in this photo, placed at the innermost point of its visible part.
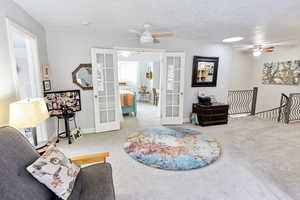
(203, 100)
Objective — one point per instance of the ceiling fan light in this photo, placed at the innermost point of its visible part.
(232, 39)
(146, 40)
(256, 52)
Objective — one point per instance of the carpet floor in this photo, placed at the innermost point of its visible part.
(260, 161)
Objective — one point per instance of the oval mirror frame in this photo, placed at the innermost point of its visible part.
(88, 68)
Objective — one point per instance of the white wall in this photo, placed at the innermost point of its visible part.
(7, 90)
(68, 49)
(156, 75)
(145, 59)
(241, 71)
(269, 95)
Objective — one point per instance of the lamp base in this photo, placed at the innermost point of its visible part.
(40, 145)
(34, 136)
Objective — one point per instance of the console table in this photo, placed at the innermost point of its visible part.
(214, 114)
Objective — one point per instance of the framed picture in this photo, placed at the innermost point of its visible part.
(45, 70)
(57, 100)
(47, 85)
(281, 73)
(205, 71)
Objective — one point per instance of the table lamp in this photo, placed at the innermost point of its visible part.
(28, 113)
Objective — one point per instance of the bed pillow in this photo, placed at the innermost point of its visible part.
(56, 171)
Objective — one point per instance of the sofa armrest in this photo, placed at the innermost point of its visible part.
(89, 159)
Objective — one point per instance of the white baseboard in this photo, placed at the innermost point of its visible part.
(186, 120)
(93, 130)
(88, 130)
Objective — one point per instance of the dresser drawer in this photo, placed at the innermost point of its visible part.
(211, 114)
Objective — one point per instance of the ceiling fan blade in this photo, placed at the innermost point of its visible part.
(134, 31)
(281, 43)
(267, 49)
(244, 47)
(160, 35)
(156, 41)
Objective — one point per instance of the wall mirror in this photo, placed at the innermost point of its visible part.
(82, 76)
(205, 71)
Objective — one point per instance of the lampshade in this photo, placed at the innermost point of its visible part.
(27, 113)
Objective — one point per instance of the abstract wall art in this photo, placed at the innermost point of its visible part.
(282, 73)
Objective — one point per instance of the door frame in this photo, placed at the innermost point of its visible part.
(34, 66)
(145, 50)
(163, 63)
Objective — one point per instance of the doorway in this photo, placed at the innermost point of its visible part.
(139, 84)
(108, 96)
(26, 71)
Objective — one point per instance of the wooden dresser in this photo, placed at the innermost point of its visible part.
(214, 114)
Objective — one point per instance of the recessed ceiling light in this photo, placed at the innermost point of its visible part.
(233, 39)
(256, 52)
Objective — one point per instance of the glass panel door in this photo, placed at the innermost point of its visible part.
(106, 98)
(172, 93)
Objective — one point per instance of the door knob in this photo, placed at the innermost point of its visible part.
(95, 95)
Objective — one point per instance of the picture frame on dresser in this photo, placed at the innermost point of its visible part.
(205, 71)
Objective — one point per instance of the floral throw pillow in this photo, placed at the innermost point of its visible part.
(56, 171)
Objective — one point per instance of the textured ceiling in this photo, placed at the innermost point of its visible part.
(255, 20)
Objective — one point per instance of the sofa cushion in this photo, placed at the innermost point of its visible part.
(56, 171)
(16, 153)
(94, 183)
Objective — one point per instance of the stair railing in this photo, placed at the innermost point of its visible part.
(278, 114)
(293, 109)
(242, 101)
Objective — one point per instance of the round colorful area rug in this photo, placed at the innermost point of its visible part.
(172, 148)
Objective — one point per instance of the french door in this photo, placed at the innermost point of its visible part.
(106, 94)
(172, 84)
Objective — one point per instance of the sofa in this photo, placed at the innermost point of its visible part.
(16, 153)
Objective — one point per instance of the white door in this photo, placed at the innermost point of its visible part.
(172, 88)
(105, 83)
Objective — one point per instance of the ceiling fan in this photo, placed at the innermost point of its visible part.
(258, 49)
(147, 37)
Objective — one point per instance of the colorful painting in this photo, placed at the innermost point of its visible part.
(282, 73)
(172, 148)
